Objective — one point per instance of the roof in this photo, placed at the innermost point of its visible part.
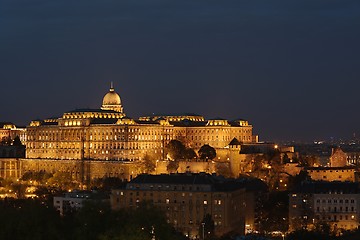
(331, 168)
(236, 123)
(234, 141)
(91, 110)
(104, 120)
(188, 123)
(146, 122)
(178, 178)
(217, 183)
(49, 123)
(5, 123)
(323, 187)
(252, 184)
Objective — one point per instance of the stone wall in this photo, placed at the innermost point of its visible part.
(186, 166)
(79, 170)
(85, 170)
(332, 174)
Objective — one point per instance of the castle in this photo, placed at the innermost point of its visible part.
(108, 134)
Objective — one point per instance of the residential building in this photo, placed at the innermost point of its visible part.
(73, 201)
(334, 203)
(186, 199)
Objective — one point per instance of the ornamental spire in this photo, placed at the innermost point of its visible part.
(111, 86)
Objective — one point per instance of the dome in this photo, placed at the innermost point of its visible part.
(112, 101)
(111, 98)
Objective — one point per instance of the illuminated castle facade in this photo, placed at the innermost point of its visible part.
(107, 134)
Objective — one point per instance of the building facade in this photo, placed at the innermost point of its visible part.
(334, 203)
(346, 173)
(9, 130)
(73, 201)
(107, 134)
(186, 199)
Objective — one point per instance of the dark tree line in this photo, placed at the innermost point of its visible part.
(7, 141)
(32, 219)
(178, 151)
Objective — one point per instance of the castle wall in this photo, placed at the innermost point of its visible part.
(12, 168)
(185, 166)
(332, 174)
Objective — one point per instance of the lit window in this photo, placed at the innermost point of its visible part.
(205, 202)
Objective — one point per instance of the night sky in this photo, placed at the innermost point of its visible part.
(290, 67)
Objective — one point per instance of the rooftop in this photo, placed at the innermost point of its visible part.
(91, 110)
(216, 183)
(328, 187)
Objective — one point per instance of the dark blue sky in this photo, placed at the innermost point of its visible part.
(290, 67)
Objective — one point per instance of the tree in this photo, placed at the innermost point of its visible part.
(175, 149)
(296, 180)
(16, 141)
(207, 227)
(172, 166)
(19, 189)
(223, 169)
(148, 163)
(144, 222)
(63, 180)
(40, 176)
(207, 152)
(5, 141)
(190, 153)
(308, 160)
(275, 212)
(286, 159)
(30, 219)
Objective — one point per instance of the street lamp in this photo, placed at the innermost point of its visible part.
(203, 230)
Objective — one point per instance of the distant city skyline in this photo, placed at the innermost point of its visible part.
(289, 68)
